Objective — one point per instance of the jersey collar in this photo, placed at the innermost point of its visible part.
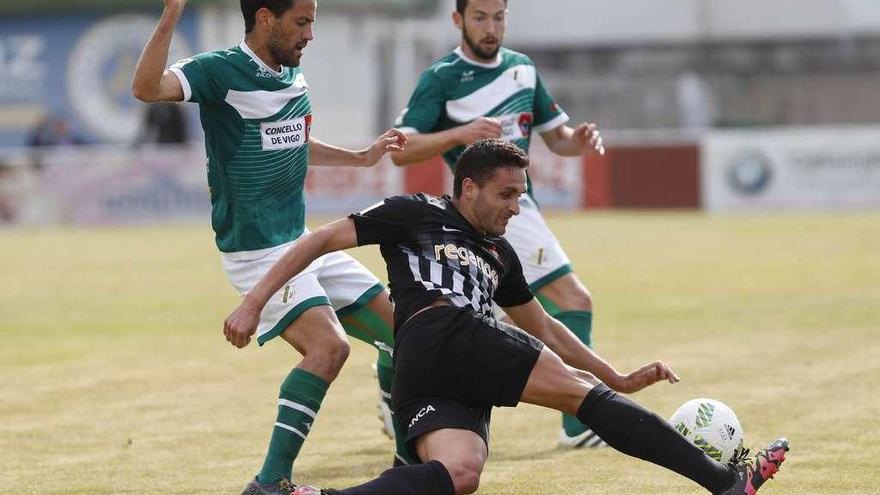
(491, 65)
(250, 53)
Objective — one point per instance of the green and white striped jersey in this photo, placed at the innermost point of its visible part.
(455, 90)
(256, 122)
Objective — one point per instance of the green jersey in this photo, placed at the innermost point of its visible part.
(456, 90)
(256, 122)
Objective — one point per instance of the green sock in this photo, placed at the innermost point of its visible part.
(298, 404)
(581, 324)
(365, 325)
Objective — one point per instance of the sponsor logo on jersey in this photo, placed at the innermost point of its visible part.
(465, 257)
(285, 134)
(515, 125)
(467, 76)
(422, 412)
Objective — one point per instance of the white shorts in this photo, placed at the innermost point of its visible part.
(335, 279)
(540, 253)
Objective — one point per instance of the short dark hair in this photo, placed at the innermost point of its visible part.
(460, 5)
(249, 10)
(480, 160)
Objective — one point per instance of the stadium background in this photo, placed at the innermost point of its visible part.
(112, 294)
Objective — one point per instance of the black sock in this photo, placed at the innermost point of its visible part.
(418, 479)
(635, 431)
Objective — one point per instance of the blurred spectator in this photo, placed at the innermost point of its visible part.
(164, 123)
(50, 132)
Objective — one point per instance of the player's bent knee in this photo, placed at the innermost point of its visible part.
(577, 298)
(569, 294)
(327, 357)
(465, 476)
(582, 299)
(337, 353)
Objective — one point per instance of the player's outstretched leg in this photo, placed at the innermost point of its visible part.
(455, 459)
(626, 425)
(431, 478)
(316, 333)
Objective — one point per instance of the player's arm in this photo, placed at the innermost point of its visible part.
(241, 324)
(323, 154)
(532, 318)
(152, 82)
(420, 147)
(421, 119)
(565, 141)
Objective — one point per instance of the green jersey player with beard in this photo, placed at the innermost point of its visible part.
(255, 111)
(482, 90)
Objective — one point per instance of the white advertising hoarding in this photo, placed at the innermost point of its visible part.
(803, 168)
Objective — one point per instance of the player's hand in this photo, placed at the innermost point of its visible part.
(589, 138)
(241, 324)
(480, 128)
(645, 376)
(392, 140)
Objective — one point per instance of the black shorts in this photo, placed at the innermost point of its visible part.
(451, 366)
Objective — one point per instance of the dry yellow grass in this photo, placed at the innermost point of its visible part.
(114, 376)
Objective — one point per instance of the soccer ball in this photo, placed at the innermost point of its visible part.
(711, 426)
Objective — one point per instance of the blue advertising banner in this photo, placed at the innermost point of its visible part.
(76, 70)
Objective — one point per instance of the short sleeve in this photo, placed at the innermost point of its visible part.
(200, 85)
(389, 221)
(425, 107)
(513, 290)
(548, 114)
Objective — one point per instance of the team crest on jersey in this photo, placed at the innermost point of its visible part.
(515, 125)
(525, 123)
(287, 294)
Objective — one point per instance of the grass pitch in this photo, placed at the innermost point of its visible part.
(115, 378)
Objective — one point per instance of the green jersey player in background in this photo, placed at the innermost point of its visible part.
(482, 90)
(255, 111)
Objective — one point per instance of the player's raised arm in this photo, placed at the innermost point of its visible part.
(152, 82)
(241, 324)
(323, 154)
(532, 318)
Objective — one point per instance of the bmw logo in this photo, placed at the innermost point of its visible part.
(749, 172)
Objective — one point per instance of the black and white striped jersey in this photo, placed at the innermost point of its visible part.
(432, 251)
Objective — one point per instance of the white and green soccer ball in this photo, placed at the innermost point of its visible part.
(711, 426)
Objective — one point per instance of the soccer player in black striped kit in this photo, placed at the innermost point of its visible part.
(453, 361)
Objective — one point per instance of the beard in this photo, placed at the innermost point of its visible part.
(475, 47)
(278, 51)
